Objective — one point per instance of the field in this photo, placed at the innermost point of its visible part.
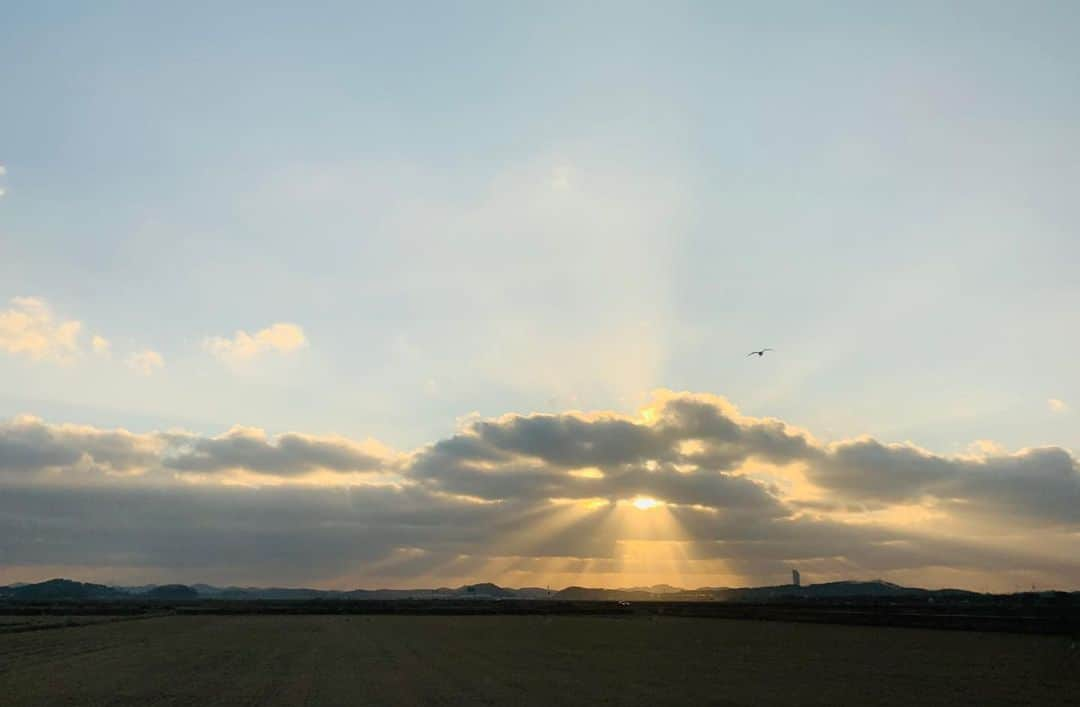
(541, 660)
(15, 624)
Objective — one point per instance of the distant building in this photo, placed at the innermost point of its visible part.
(795, 580)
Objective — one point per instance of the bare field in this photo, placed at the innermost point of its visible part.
(512, 660)
(35, 621)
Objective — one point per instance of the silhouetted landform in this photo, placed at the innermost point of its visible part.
(873, 603)
(171, 592)
(60, 590)
(65, 589)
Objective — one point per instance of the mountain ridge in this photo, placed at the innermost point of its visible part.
(60, 589)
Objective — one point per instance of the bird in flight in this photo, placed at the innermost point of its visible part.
(759, 354)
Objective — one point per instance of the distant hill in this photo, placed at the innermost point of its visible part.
(65, 589)
(595, 594)
(835, 590)
(783, 592)
(172, 592)
(135, 589)
(654, 589)
(487, 589)
(484, 590)
(62, 590)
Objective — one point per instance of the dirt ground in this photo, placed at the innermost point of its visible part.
(21, 623)
(526, 660)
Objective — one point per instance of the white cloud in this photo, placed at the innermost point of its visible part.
(145, 362)
(281, 337)
(3, 170)
(29, 328)
(1056, 405)
(100, 345)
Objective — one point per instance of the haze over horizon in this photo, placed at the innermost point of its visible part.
(419, 296)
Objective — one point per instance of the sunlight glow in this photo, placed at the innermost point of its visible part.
(644, 503)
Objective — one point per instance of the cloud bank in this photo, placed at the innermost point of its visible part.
(527, 499)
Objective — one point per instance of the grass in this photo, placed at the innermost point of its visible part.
(540, 660)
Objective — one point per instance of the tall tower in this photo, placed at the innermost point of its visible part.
(795, 581)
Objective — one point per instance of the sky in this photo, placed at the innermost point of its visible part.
(409, 294)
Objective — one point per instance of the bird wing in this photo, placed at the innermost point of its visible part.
(751, 353)
(764, 350)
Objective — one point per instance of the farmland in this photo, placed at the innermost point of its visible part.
(541, 659)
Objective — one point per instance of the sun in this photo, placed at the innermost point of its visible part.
(644, 503)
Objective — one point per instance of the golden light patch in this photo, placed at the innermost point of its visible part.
(579, 502)
(688, 447)
(790, 481)
(589, 472)
(476, 500)
(908, 514)
(985, 448)
(644, 503)
(321, 479)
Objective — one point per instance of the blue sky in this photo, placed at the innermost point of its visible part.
(883, 195)
(488, 208)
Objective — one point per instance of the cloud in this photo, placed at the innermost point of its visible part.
(29, 445)
(100, 345)
(246, 448)
(281, 337)
(535, 456)
(28, 328)
(1036, 485)
(1056, 405)
(145, 362)
(529, 497)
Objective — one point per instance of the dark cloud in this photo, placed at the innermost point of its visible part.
(537, 482)
(308, 535)
(290, 454)
(530, 487)
(872, 470)
(1040, 485)
(570, 441)
(682, 456)
(728, 440)
(28, 444)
